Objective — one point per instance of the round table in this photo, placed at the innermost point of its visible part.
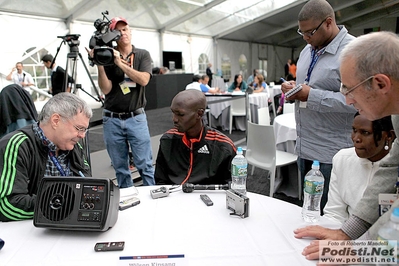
(178, 224)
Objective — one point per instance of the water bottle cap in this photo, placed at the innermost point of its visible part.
(395, 212)
(316, 164)
(239, 150)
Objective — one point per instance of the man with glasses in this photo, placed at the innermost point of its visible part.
(323, 120)
(370, 82)
(49, 147)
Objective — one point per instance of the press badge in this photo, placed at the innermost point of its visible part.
(124, 87)
(385, 202)
(127, 84)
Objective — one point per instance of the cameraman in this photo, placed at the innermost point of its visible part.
(123, 84)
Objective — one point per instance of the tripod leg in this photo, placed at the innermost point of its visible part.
(92, 81)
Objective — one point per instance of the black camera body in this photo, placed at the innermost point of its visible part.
(101, 42)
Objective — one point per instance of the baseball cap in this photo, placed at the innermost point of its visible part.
(115, 21)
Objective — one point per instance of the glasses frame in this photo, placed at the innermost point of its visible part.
(310, 33)
(80, 130)
(348, 92)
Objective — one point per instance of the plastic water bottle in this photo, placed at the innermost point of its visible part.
(313, 190)
(239, 172)
(390, 230)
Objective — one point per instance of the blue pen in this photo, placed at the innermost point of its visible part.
(283, 80)
(81, 174)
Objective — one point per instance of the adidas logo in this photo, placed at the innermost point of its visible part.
(204, 149)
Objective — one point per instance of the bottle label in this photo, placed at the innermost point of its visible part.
(239, 170)
(314, 187)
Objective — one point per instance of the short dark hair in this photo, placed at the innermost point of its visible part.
(197, 78)
(47, 58)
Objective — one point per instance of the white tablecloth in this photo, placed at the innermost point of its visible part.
(221, 112)
(275, 90)
(285, 132)
(178, 224)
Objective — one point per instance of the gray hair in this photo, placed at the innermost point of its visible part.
(67, 105)
(374, 53)
(317, 10)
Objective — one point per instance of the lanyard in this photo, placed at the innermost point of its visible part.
(315, 54)
(58, 165)
(130, 59)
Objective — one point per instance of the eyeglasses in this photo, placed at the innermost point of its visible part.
(347, 92)
(81, 130)
(310, 33)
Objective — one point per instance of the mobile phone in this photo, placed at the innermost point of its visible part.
(109, 246)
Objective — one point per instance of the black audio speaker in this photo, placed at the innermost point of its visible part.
(76, 203)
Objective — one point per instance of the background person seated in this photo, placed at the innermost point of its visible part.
(196, 84)
(260, 85)
(193, 152)
(353, 168)
(205, 87)
(251, 78)
(238, 84)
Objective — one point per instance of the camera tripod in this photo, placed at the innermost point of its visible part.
(72, 57)
(73, 42)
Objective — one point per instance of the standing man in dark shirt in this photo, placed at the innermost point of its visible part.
(125, 121)
(57, 76)
(209, 74)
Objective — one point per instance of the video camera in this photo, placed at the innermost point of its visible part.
(101, 42)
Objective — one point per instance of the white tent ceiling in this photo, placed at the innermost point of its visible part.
(257, 21)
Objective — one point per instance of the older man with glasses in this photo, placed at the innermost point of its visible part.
(50, 147)
(370, 77)
(324, 121)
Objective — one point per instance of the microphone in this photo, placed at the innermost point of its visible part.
(188, 187)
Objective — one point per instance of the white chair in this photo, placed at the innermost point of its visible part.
(237, 108)
(288, 108)
(271, 95)
(261, 152)
(264, 116)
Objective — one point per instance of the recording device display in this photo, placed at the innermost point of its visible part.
(109, 246)
(188, 187)
(101, 42)
(238, 203)
(159, 193)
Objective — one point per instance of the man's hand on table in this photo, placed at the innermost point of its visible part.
(311, 252)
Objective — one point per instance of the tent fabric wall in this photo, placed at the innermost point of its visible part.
(42, 33)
